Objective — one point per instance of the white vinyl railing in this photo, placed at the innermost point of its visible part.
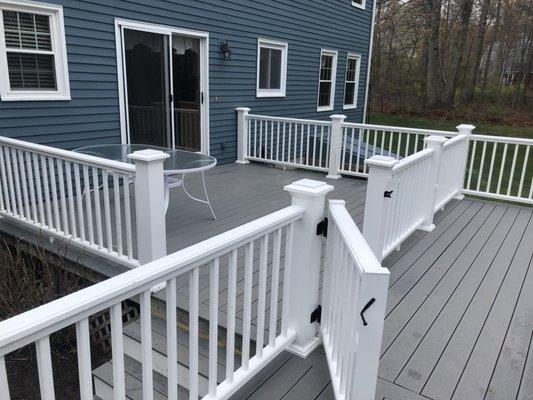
(451, 172)
(292, 228)
(403, 196)
(332, 146)
(354, 297)
(288, 141)
(362, 141)
(79, 198)
(500, 168)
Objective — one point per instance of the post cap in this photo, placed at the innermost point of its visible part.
(148, 155)
(342, 117)
(243, 109)
(381, 161)
(465, 128)
(309, 187)
(435, 139)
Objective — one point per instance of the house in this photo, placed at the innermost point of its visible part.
(171, 72)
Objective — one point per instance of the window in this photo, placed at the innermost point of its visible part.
(351, 82)
(326, 80)
(271, 68)
(359, 3)
(33, 56)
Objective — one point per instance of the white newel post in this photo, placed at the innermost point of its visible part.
(465, 129)
(376, 207)
(304, 264)
(432, 142)
(242, 134)
(150, 204)
(335, 148)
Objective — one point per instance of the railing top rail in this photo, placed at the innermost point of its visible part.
(39, 322)
(455, 140)
(285, 119)
(389, 128)
(116, 166)
(363, 256)
(501, 139)
(412, 159)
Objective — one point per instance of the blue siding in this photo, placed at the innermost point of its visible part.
(93, 115)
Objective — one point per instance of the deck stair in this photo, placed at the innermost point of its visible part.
(103, 375)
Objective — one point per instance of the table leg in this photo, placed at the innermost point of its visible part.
(206, 201)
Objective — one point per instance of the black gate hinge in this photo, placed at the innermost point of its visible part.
(316, 315)
(322, 228)
(388, 193)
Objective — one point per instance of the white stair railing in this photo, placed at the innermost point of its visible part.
(85, 200)
(354, 297)
(293, 227)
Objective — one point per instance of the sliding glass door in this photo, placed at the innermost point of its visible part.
(162, 89)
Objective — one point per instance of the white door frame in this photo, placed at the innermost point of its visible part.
(204, 73)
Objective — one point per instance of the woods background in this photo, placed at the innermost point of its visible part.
(454, 58)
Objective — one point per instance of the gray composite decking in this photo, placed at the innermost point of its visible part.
(459, 321)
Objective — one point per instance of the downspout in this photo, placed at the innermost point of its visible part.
(365, 106)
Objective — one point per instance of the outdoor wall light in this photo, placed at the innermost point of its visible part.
(224, 49)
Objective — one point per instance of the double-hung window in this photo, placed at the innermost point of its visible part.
(33, 59)
(326, 80)
(351, 81)
(271, 68)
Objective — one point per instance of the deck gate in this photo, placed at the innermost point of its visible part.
(354, 295)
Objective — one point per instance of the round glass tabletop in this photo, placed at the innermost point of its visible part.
(179, 162)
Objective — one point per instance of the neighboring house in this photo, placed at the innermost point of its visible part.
(171, 73)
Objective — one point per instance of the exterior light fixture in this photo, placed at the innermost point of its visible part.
(224, 49)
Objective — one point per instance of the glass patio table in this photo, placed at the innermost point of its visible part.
(180, 163)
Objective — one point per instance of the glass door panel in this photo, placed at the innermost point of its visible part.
(186, 92)
(148, 90)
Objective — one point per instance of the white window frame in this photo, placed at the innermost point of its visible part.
(335, 55)
(276, 45)
(361, 6)
(59, 48)
(357, 57)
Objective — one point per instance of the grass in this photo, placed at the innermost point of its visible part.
(481, 128)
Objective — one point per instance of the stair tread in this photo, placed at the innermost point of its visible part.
(159, 344)
(133, 375)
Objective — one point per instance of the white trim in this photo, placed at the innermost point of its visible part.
(59, 49)
(204, 72)
(357, 57)
(335, 55)
(276, 45)
(369, 61)
(361, 6)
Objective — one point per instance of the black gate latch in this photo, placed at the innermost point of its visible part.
(388, 193)
(316, 316)
(322, 228)
(366, 307)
